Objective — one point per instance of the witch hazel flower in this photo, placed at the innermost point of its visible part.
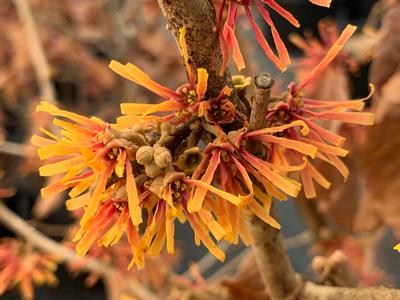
(293, 106)
(24, 268)
(88, 153)
(229, 42)
(230, 164)
(181, 104)
(109, 223)
(314, 50)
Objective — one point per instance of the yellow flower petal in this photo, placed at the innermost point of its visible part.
(133, 199)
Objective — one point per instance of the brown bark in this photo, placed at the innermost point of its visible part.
(272, 260)
(312, 291)
(202, 39)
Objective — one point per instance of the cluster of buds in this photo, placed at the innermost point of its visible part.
(190, 158)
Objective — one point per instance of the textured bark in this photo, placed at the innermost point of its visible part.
(263, 84)
(202, 39)
(272, 260)
(312, 291)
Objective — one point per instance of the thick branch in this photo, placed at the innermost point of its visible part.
(274, 265)
(23, 229)
(201, 37)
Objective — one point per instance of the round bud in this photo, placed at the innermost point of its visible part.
(152, 170)
(144, 155)
(162, 157)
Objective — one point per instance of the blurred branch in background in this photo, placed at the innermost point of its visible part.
(38, 57)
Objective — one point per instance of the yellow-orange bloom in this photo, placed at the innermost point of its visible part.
(88, 153)
(187, 97)
(24, 268)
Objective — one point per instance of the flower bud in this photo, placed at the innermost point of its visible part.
(162, 157)
(144, 155)
(152, 170)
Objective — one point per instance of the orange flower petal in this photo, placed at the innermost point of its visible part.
(133, 199)
(216, 229)
(202, 80)
(55, 111)
(145, 109)
(133, 73)
(227, 196)
(202, 234)
(298, 146)
(185, 54)
(170, 230)
(59, 167)
(195, 203)
(96, 197)
(283, 12)
(329, 57)
(78, 202)
(325, 3)
(302, 124)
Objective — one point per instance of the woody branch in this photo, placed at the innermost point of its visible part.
(273, 262)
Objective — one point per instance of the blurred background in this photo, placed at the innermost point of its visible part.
(79, 38)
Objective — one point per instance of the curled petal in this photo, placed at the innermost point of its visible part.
(302, 124)
(59, 167)
(327, 148)
(96, 197)
(263, 212)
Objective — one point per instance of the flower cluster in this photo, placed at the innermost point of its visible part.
(229, 42)
(151, 168)
(22, 268)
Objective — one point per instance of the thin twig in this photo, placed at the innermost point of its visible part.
(40, 241)
(312, 291)
(273, 262)
(14, 149)
(40, 64)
